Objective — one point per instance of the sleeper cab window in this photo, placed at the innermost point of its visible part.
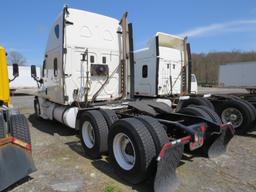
(193, 78)
(57, 31)
(92, 59)
(104, 60)
(144, 71)
(43, 71)
(55, 67)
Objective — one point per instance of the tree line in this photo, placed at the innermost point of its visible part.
(206, 65)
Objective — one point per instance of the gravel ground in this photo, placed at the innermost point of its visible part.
(63, 167)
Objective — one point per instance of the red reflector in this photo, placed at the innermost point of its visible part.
(201, 141)
(28, 148)
(202, 127)
(186, 139)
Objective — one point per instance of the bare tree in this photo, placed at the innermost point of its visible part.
(16, 57)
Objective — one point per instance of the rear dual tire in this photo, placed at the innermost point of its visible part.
(147, 137)
(250, 106)
(93, 131)
(195, 101)
(131, 150)
(239, 113)
(156, 130)
(203, 112)
(132, 143)
(213, 115)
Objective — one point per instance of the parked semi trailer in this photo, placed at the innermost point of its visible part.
(15, 144)
(163, 70)
(88, 84)
(240, 75)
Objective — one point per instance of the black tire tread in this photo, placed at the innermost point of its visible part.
(251, 108)
(208, 103)
(248, 118)
(156, 130)
(191, 110)
(110, 116)
(2, 123)
(19, 128)
(195, 101)
(215, 117)
(101, 129)
(145, 143)
(146, 139)
(37, 105)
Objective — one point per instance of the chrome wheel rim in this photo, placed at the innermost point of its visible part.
(124, 151)
(88, 134)
(232, 115)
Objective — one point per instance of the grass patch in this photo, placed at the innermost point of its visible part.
(111, 188)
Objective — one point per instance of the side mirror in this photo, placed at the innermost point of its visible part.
(33, 71)
(15, 70)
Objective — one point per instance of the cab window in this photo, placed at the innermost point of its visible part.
(55, 67)
(57, 31)
(43, 71)
(144, 71)
(193, 78)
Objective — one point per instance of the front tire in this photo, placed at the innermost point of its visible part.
(131, 150)
(37, 108)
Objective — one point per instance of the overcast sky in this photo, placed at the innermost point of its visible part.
(211, 25)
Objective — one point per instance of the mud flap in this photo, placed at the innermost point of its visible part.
(221, 140)
(166, 179)
(15, 164)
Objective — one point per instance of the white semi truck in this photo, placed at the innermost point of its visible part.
(158, 68)
(163, 70)
(87, 83)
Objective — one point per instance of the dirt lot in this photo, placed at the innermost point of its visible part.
(62, 165)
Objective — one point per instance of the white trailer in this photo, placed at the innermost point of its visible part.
(87, 83)
(238, 75)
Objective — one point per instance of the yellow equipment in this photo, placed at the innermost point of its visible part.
(15, 144)
(4, 80)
